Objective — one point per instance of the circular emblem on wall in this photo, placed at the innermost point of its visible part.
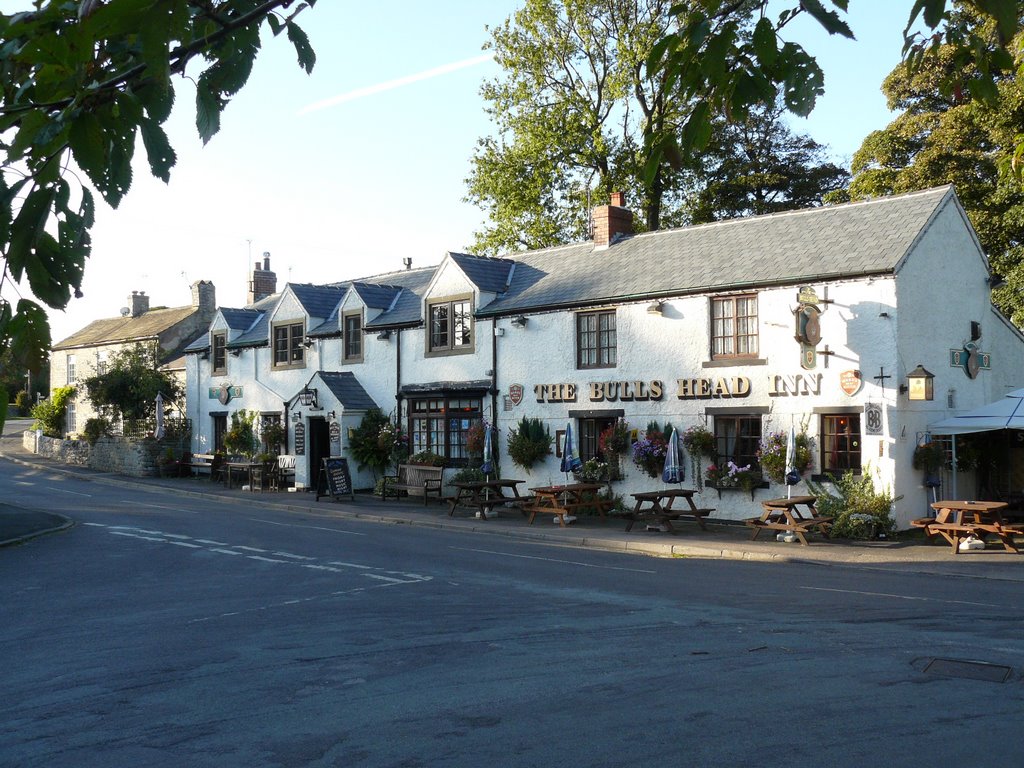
(808, 325)
(224, 396)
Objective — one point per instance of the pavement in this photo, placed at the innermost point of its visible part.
(723, 540)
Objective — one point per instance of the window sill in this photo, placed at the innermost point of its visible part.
(828, 477)
(734, 362)
(762, 484)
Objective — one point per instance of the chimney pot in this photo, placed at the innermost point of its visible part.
(618, 199)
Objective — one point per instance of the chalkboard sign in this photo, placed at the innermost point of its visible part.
(334, 479)
(300, 439)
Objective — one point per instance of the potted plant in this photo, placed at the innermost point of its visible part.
(273, 435)
(426, 458)
(649, 451)
(772, 455)
(528, 443)
(930, 457)
(698, 443)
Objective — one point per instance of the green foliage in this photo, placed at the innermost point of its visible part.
(758, 166)
(427, 458)
(364, 445)
(22, 402)
(95, 428)
(930, 457)
(857, 509)
(467, 475)
(131, 383)
(273, 435)
(944, 138)
(81, 80)
(572, 110)
(240, 438)
(709, 58)
(529, 442)
(49, 414)
(772, 454)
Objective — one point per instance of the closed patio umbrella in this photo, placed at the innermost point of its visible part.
(673, 472)
(488, 466)
(159, 431)
(570, 456)
(792, 476)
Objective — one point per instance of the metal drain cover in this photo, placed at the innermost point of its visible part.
(972, 670)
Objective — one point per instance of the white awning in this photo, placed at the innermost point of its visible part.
(1007, 413)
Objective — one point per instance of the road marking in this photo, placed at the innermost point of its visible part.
(137, 536)
(265, 559)
(170, 509)
(225, 551)
(211, 541)
(312, 527)
(295, 557)
(249, 549)
(388, 578)
(74, 493)
(904, 597)
(553, 560)
(184, 544)
(349, 565)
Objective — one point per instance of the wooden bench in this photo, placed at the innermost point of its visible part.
(199, 463)
(414, 480)
(954, 533)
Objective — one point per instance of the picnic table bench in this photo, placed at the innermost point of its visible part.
(484, 495)
(656, 506)
(563, 500)
(413, 480)
(785, 515)
(955, 521)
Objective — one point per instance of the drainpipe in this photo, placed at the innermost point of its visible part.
(398, 374)
(494, 379)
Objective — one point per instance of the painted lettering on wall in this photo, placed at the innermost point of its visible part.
(793, 386)
(611, 391)
(555, 393)
(705, 389)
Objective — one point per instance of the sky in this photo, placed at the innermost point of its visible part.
(343, 173)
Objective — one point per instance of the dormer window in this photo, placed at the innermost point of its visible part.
(288, 349)
(450, 326)
(218, 342)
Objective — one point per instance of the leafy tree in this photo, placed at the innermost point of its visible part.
(130, 385)
(950, 139)
(711, 62)
(81, 80)
(760, 166)
(573, 109)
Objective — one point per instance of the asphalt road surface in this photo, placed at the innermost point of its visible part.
(174, 631)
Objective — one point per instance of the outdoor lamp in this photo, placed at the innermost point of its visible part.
(656, 308)
(921, 383)
(519, 322)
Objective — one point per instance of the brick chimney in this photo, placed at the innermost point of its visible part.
(204, 298)
(138, 303)
(264, 282)
(612, 222)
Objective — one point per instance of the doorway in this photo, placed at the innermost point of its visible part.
(319, 448)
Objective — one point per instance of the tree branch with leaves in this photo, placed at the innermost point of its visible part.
(81, 80)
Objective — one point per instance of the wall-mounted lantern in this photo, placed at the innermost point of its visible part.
(921, 384)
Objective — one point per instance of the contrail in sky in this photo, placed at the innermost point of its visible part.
(370, 90)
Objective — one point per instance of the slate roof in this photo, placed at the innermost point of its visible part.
(256, 336)
(201, 344)
(814, 244)
(347, 389)
(239, 319)
(318, 300)
(376, 296)
(118, 330)
(487, 274)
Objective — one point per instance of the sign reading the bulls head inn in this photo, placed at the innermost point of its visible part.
(686, 389)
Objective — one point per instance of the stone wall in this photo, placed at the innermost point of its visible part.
(120, 455)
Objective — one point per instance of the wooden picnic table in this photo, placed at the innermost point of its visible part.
(484, 495)
(245, 468)
(956, 520)
(657, 506)
(562, 500)
(786, 515)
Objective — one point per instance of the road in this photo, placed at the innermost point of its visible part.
(174, 631)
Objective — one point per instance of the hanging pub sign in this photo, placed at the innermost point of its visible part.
(970, 359)
(808, 327)
(872, 419)
(850, 382)
(300, 438)
(224, 394)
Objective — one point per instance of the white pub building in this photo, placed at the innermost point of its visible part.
(823, 318)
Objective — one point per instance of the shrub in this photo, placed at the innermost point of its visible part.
(240, 439)
(49, 414)
(529, 442)
(95, 428)
(366, 445)
(857, 509)
(467, 475)
(23, 402)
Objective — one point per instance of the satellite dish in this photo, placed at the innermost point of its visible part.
(125, 311)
